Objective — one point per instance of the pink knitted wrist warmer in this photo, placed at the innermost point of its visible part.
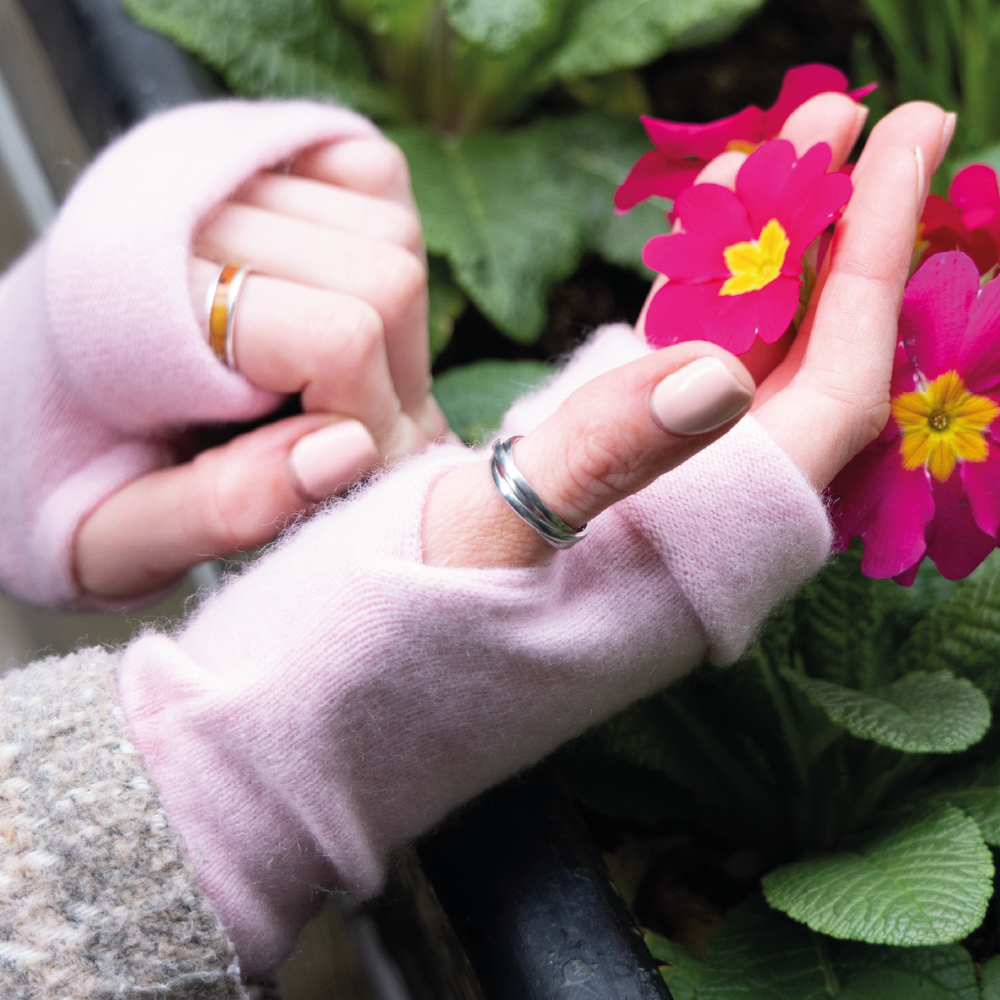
(104, 357)
(341, 697)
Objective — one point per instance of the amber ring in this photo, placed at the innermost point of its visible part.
(220, 303)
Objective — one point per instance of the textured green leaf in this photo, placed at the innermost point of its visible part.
(935, 973)
(990, 984)
(493, 206)
(760, 954)
(962, 633)
(475, 397)
(849, 627)
(924, 880)
(975, 791)
(606, 35)
(682, 972)
(497, 25)
(265, 49)
(919, 713)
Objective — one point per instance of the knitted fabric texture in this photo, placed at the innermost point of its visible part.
(104, 355)
(97, 900)
(341, 697)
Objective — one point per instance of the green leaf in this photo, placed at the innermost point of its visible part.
(760, 954)
(512, 212)
(475, 397)
(265, 49)
(962, 633)
(606, 35)
(924, 880)
(990, 984)
(849, 626)
(919, 713)
(493, 206)
(446, 304)
(976, 791)
(681, 972)
(593, 153)
(497, 25)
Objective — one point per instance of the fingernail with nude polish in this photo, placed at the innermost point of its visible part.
(698, 398)
(947, 133)
(326, 462)
(921, 175)
(860, 117)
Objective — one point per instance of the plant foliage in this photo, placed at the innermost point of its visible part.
(853, 750)
(509, 204)
(946, 51)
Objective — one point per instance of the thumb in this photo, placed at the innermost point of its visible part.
(610, 439)
(227, 499)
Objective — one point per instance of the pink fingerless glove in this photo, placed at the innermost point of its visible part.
(104, 358)
(341, 697)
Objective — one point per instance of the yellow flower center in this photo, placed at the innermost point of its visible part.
(943, 424)
(740, 146)
(755, 263)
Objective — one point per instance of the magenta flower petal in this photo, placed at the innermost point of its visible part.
(762, 180)
(981, 482)
(679, 140)
(711, 208)
(799, 84)
(975, 187)
(654, 174)
(980, 355)
(888, 507)
(818, 198)
(954, 540)
(906, 578)
(690, 257)
(682, 312)
(976, 194)
(713, 219)
(935, 312)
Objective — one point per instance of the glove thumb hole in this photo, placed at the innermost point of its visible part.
(621, 431)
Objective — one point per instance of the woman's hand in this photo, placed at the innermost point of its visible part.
(822, 403)
(336, 310)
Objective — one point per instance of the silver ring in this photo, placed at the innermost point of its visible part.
(234, 291)
(525, 502)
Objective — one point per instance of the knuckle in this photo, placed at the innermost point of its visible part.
(346, 336)
(593, 468)
(214, 515)
(404, 275)
(388, 164)
(360, 339)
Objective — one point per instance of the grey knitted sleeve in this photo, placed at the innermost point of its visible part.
(97, 899)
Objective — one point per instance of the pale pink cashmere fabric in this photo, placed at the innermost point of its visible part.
(104, 357)
(341, 697)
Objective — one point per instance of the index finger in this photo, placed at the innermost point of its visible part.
(375, 167)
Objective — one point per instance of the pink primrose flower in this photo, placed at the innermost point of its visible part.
(683, 150)
(969, 220)
(735, 264)
(930, 484)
